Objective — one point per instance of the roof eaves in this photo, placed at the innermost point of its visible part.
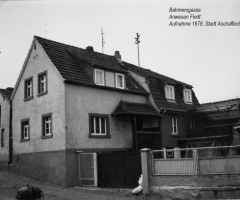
(104, 87)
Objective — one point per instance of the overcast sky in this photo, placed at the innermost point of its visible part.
(205, 57)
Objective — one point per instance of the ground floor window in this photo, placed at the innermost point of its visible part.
(98, 125)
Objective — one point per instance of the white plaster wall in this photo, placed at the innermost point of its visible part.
(52, 102)
(5, 114)
(80, 101)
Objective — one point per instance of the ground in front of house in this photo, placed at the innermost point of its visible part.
(10, 183)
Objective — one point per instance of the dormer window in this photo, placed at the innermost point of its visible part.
(99, 77)
(187, 95)
(119, 80)
(169, 92)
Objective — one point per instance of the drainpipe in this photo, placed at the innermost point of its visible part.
(10, 135)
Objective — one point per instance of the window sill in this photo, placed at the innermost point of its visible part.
(171, 101)
(175, 135)
(187, 102)
(99, 136)
(47, 136)
(40, 94)
(25, 140)
(28, 98)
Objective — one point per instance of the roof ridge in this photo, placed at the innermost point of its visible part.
(220, 101)
(72, 46)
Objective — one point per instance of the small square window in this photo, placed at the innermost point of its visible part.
(174, 126)
(169, 92)
(187, 93)
(42, 83)
(28, 88)
(119, 81)
(99, 77)
(25, 130)
(98, 125)
(47, 126)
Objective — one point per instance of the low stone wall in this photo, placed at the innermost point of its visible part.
(196, 181)
(44, 166)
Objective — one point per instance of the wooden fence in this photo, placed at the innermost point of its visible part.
(197, 161)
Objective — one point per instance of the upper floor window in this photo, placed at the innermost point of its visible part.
(119, 81)
(174, 126)
(187, 95)
(169, 92)
(28, 88)
(42, 83)
(98, 125)
(25, 130)
(99, 77)
(47, 125)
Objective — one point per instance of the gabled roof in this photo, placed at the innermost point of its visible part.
(220, 105)
(69, 59)
(7, 92)
(125, 107)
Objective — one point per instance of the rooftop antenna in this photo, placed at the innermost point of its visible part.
(103, 42)
(137, 42)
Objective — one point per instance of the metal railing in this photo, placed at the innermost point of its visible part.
(196, 161)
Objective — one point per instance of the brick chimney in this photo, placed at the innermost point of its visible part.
(89, 48)
(117, 55)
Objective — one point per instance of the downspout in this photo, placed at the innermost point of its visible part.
(10, 135)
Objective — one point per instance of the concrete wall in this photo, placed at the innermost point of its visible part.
(170, 140)
(44, 166)
(5, 115)
(196, 181)
(40, 158)
(80, 101)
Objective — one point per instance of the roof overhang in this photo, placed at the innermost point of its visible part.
(129, 108)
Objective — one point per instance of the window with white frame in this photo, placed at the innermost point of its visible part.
(25, 132)
(47, 125)
(187, 95)
(98, 125)
(42, 83)
(174, 126)
(169, 92)
(99, 77)
(119, 80)
(28, 88)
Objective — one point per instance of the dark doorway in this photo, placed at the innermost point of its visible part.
(119, 170)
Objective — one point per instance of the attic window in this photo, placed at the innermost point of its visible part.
(187, 93)
(99, 77)
(35, 46)
(119, 80)
(169, 92)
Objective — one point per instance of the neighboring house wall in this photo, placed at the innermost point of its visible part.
(4, 128)
(169, 139)
(80, 101)
(40, 158)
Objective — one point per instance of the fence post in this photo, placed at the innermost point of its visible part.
(196, 164)
(145, 160)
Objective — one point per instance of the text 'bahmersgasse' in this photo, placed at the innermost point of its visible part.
(192, 17)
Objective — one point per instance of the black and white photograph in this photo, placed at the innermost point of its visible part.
(114, 100)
